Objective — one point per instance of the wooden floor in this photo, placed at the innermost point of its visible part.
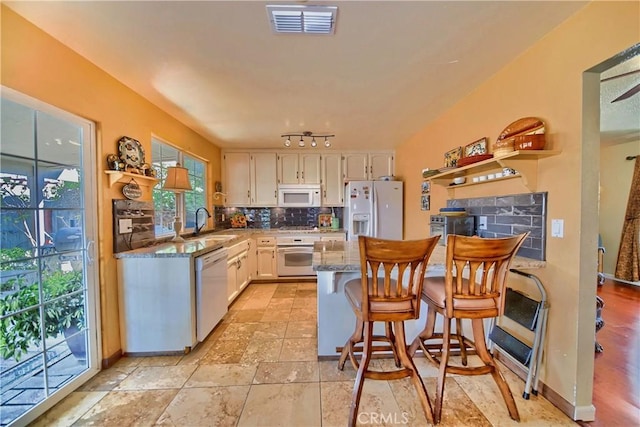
(616, 388)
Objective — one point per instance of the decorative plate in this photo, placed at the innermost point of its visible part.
(131, 152)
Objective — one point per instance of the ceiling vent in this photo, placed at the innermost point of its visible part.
(302, 19)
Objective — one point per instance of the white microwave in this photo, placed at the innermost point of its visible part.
(299, 196)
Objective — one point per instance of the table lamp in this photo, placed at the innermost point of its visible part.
(177, 180)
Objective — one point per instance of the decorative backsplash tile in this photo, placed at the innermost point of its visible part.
(513, 214)
(266, 218)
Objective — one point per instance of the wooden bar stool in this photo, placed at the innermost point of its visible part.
(455, 296)
(390, 293)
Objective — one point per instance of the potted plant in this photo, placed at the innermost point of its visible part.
(64, 313)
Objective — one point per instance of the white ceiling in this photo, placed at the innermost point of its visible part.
(390, 68)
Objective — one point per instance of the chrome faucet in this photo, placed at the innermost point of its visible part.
(200, 227)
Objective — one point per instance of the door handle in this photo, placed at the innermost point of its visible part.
(90, 245)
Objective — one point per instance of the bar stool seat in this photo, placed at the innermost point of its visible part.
(390, 293)
(472, 288)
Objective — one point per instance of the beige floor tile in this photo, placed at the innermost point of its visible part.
(329, 371)
(303, 314)
(299, 349)
(276, 316)
(157, 377)
(215, 406)
(127, 361)
(377, 404)
(222, 375)
(256, 304)
(70, 409)
(280, 304)
(239, 331)
(296, 404)
(160, 361)
(286, 372)
(107, 379)
(308, 286)
(302, 329)
(306, 293)
(262, 351)
(270, 330)
(248, 316)
(305, 303)
(228, 351)
(128, 408)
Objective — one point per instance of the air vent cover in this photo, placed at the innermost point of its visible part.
(302, 19)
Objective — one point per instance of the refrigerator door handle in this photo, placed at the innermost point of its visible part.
(374, 213)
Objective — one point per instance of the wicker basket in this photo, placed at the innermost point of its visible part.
(529, 142)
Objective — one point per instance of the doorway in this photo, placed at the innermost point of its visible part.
(48, 278)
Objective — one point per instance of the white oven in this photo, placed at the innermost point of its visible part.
(295, 255)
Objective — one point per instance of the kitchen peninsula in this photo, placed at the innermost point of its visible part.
(338, 262)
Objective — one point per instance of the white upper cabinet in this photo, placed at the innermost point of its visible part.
(250, 178)
(264, 183)
(332, 182)
(298, 168)
(237, 178)
(367, 166)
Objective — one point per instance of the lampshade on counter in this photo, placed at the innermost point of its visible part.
(177, 179)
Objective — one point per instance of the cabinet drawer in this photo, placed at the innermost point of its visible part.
(266, 241)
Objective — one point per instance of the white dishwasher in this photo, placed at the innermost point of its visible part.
(211, 291)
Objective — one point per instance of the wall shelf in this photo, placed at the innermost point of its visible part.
(125, 177)
(525, 162)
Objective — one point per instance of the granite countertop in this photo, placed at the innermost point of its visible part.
(345, 256)
(209, 242)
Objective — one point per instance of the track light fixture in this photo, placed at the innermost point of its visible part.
(307, 134)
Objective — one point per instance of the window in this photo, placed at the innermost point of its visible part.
(165, 202)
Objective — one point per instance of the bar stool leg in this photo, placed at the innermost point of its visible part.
(362, 369)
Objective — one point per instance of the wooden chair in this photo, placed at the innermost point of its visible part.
(456, 297)
(388, 291)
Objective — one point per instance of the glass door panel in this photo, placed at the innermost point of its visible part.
(48, 324)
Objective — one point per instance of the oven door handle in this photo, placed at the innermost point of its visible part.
(297, 249)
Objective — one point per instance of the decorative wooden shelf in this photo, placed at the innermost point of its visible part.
(117, 176)
(525, 162)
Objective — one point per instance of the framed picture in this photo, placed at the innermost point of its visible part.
(476, 148)
(426, 187)
(451, 157)
(425, 202)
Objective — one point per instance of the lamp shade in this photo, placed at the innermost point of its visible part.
(177, 179)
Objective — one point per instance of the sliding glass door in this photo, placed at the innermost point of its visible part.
(48, 325)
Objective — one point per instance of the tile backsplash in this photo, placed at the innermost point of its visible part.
(265, 218)
(512, 214)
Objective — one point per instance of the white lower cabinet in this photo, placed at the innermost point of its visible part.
(238, 270)
(266, 258)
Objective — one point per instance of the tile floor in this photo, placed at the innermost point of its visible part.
(259, 368)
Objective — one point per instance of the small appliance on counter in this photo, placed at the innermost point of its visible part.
(133, 224)
(452, 221)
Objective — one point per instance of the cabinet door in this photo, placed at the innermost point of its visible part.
(237, 178)
(265, 179)
(288, 168)
(266, 262)
(380, 164)
(242, 280)
(355, 167)
(251, 261)
(232, 277)
(310, 168)
(332, 182)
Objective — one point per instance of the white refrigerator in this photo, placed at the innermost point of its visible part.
(373, 208)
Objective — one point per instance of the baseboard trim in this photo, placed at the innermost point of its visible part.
(111, 360)
(554, 398)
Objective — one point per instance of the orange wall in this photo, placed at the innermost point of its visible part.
(39, 66)
(545, 81)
